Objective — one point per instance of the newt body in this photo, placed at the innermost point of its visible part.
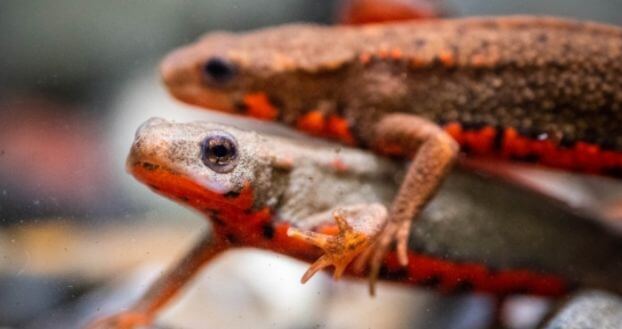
(254, 189)
(538, 89)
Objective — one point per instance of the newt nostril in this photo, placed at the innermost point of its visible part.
(149, 166)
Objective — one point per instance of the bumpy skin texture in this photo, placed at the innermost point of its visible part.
(531, 88)
(516, 245)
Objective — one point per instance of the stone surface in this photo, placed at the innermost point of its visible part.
(590, 309)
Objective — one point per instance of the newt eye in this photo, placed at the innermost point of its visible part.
(218, 70)
(219, 152)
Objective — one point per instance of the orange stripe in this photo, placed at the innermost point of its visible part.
(582, 157)
(259, 106)
(451, 276)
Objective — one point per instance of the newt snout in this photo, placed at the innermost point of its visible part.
(184, 75)
(144, 150)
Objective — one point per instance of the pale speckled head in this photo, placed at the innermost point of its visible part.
(266, 73)
(205, 165)
(220, 169)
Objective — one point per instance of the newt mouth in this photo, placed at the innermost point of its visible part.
(178, 187)
(205, 98)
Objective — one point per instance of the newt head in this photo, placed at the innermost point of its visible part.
(270, 74)
(210, 167)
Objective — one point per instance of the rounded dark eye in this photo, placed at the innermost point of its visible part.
(218, 70)
(219, 152)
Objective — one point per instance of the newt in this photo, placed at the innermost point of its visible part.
(326, 203)
(521, 88)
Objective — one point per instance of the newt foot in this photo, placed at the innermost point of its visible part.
(358, 228)
(393, 232)
(124, 320)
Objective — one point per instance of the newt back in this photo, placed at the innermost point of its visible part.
(531, 88)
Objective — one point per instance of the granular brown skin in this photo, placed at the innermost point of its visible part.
(556, 79)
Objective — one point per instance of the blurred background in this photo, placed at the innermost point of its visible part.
(78, 235)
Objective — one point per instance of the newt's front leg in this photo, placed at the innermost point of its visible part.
(165, 288)
(433, 152)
